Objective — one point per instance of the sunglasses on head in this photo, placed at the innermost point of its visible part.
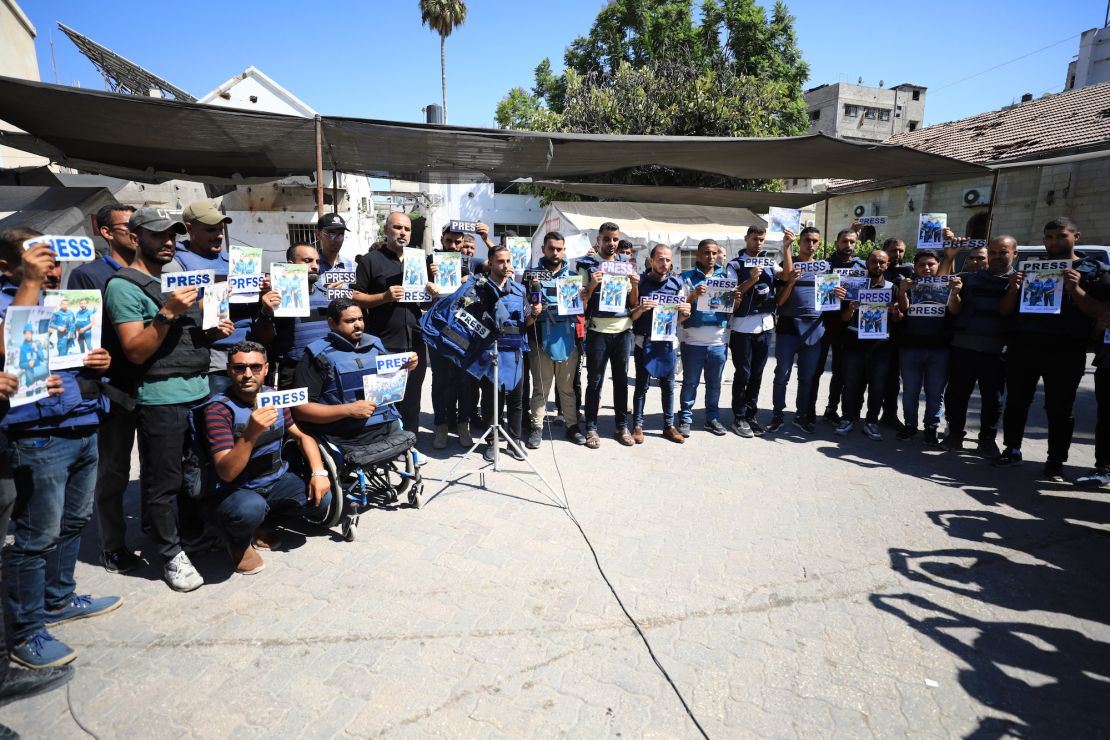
(241, 367)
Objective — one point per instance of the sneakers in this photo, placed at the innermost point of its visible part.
(120, 561)
(742, 428)
(181, 575)
(987, 448)
(439, 442)
(831, 416)
(418, 459)
(953, 442)
(637, 434)
(907, 433)
(844, 427)
(673, 435)
(574, 434)
(82, 607)
(871, 429)
(592, 440)
(487, 454)
(1054, 471)
(757, 428)
(246, 560)
(804, 423)
(463, 430)
(42, 650)
(931, 438)
(891, 422)
(23, 684)
(535, 438)
(1009, 457)
(624, 437)
(1097, 478)
(775, 424)
(684, 428)
(514, 452)
(713, 426)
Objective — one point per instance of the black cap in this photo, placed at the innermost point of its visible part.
(331, 221)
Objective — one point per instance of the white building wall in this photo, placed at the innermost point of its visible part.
(17, 59)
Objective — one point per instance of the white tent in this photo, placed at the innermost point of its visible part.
(647, 224)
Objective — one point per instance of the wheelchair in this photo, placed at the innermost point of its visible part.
(363, 477)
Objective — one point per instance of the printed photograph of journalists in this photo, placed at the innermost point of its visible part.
(666, 387)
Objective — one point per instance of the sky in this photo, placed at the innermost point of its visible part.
(374, 59)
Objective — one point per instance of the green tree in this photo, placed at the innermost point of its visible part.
(443, 17)
(662, 67)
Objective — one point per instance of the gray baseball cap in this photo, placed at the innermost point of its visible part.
(155, 219)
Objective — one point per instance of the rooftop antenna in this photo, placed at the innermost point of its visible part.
(54, 59)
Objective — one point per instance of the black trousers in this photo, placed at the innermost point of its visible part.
(164, 453)
(1102, 417)
(966, 367)
(409, 407)
(7, 501)
(831, 343)
(511, 409)
(115, 438)
(1060, 362)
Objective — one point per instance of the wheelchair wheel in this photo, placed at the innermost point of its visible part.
(350, 528)
(291, 451)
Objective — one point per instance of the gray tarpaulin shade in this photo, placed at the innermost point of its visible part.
(753, 200)
(152, 139)
(51, 210)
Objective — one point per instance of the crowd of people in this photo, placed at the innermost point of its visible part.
(211, 463)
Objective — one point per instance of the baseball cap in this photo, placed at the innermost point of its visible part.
(206, 212)
(331, 221)
(154, 219)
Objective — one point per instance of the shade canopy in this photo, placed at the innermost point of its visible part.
(150, 139)
(753, 200)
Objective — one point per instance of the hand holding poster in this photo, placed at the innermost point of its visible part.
(874, 316)
(614, 292)
(664, 323)
(719, 296)
(217, 307)
(290, 281)
(825, 292)
(781, 220)
(1042, 285)
(930, 230)
(27, 351)
(75, 326)
(448, 271)
(568, 295)
(414, 278)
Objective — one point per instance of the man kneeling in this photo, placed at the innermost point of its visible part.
(254, 487)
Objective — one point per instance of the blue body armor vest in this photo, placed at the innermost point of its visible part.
(659, 357)
(293, 335)
(758, 299)
(692, 279)
(81, 404)
(592, 265)
(343, 367)
(800, 309)
(190, 260)
(556, 334)
(265, 465)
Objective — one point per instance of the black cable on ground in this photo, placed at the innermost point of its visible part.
(73, 714)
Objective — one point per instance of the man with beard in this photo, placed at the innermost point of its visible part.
(289, 336)
(378, 291)
(161, 337)
(453, 389)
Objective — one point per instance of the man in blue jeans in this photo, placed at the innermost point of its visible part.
(52, 453)
(253, 484)
(608, 337)
(704, 343)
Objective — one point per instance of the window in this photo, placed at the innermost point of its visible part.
(917, 95)
(520, 229)
(913, 126)
(851, 111)
(870, 113)
(884, 114)
(302, 234)
(815, 115)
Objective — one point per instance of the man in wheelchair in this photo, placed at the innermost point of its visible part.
(254, 487)
(361, 433)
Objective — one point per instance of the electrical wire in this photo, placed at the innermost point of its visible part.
(605, 577)
(73, 714)
(935, 90)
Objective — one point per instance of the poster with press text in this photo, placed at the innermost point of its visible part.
(852, 279)
(414, 276)
(27, 351)
(244, 273)
(719, 295)
(75, 326)
(874, 315)
(929, 295)
(1042, 285)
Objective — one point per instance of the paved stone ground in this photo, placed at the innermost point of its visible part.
(791, 587)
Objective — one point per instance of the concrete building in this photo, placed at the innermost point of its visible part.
(17, 59)
(1091, 65)
(863, 113)
(1053, 157)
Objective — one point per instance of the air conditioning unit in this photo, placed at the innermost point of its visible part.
(977, 197)
(866, 209)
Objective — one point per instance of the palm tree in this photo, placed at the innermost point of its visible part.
(443, 17)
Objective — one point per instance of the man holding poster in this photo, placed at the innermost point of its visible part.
(254, 489)
(655, 357)
(1052, 347)
(453, 389)
(379, 291)
(704, 343)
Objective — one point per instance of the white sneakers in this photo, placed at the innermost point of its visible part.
(181, 575)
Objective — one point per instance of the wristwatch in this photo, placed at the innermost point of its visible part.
(163, 319)
(319, 474)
